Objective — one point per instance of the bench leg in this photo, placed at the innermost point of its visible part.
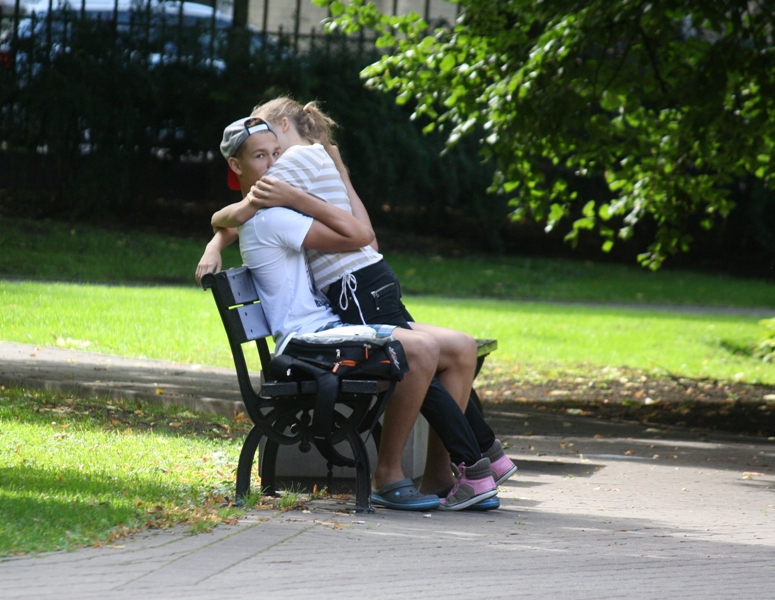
(245, 465)
(268, 466)
(362, 473)
(376, 435)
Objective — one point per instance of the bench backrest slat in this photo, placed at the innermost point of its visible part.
(244, 320)
(248, 322)
(241, 289)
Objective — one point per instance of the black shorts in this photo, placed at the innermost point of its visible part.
(376, 297)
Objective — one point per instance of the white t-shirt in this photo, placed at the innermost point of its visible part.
(271, 247)
(312, 170)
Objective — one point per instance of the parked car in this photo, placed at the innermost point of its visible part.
(169, 30)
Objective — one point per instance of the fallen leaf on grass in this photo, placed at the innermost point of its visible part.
(241, 417)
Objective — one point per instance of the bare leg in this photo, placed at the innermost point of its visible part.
(456, 367)
(422, 353)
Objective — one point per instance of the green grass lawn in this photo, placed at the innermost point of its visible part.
(61, 252)
(80, 472)
(546, 314)
(181, 324)
(556, 280)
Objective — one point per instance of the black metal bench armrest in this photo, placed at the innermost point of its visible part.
(277, 389)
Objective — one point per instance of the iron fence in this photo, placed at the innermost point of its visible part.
(152, 31)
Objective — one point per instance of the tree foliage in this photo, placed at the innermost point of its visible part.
(669, 104)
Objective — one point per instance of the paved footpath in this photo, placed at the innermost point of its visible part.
(598, 510)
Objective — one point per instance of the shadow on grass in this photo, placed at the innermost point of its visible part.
(46, 509)
(38, 407)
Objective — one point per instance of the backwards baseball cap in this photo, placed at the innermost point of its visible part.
(233, 137)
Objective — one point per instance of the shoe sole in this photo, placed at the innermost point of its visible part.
(507, 475)
(416, 505)
(470, 501)
(487, 504)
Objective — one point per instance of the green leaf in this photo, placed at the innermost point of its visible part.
(585, 223)
(557, 212)
(336, 7)
(448, 63)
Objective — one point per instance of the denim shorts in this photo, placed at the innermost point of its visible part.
(381, 331)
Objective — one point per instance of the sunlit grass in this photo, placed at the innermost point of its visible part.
(171, 323)
(556, 338)
(181, 324)
(77, 472)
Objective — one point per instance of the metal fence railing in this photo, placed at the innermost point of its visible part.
(154, 32)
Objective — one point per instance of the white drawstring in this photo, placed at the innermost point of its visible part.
(349, 282)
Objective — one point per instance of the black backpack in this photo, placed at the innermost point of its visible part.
(329, 357)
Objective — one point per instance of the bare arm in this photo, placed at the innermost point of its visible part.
(359, 211)
(335, 230)
(233, 215)
(266, 193)
(211, 261)
(269, 192)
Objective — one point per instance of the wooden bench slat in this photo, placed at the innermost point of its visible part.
(249, 322)
(486, 346)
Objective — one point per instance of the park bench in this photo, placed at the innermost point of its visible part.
(281, 410)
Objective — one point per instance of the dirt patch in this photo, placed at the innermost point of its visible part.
(648, 399)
